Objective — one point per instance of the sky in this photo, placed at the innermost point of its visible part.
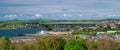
(59, 9)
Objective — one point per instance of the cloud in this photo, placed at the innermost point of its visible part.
(38, 15)
(54, 8)
(10, 17)
(21, 17)
(115, 15)
(67, 15)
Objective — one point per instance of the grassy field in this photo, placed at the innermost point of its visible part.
(43, 21)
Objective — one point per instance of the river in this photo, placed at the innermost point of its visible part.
(17, 32)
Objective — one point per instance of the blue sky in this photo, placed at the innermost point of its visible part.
(59, 9)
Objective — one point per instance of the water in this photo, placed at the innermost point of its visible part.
(14, 32)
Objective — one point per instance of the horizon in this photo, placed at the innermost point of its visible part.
(59, 9)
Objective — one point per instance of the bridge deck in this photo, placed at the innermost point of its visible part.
(73, 23)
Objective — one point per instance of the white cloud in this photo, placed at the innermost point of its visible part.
(113, 15)
(67, 15)
(38, 15)
(10, 17)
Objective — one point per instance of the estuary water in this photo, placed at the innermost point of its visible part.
(18, 32)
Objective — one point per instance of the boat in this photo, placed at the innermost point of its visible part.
(19, 35)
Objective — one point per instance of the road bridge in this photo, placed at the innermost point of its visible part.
(66, 25)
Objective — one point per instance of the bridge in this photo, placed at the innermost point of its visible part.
(67, 25)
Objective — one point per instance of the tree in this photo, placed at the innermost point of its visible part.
(47, 44)
(54, 43)
(5, 43)
(75, 45)
(21, 46)
(32, 45)
(107, 45)
(101, 45)
(39, 45)
(91, 45)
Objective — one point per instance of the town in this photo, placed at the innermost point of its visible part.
(107, 29)
(88, 31)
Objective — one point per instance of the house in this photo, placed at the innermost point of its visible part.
(101, 32)
(109, 32)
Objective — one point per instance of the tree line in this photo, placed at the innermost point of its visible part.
(59, 44)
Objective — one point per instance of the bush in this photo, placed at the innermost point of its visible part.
(75, 45)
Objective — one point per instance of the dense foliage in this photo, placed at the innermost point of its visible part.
(75, 45)
(59, 44)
